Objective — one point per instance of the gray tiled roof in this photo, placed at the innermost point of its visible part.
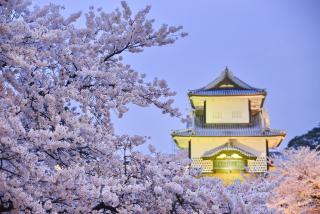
(226, 92)
(253, 129)
(228, 147)
(242, 87)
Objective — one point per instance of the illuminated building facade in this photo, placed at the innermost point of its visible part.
(230, 130)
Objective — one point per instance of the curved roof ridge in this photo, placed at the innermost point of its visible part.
(228, 147)
(226, 73)
(224, 79)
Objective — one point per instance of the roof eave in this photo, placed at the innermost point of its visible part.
(193, 135)
(190, 94)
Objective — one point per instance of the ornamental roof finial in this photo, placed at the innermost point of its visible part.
(227, 72)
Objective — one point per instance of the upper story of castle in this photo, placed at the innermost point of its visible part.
(228, 108)
(227, 100)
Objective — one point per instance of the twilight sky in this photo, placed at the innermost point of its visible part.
(269, 44)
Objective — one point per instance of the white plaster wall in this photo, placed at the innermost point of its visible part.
(227, 110)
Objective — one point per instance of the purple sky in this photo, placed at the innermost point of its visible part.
(269, 44)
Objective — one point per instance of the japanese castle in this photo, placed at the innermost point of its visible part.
(229, 130)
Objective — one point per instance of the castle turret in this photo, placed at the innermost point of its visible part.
(230, 129)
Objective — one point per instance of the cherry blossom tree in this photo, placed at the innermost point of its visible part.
(58, 85)
(293, 187)
(297, 181)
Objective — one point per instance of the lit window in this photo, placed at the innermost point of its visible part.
(222, 156)
(235, 156)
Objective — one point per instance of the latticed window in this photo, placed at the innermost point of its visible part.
(236, 114)
(216, 115)
(229, 164)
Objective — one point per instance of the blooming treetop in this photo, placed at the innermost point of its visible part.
(58, 84)
(61, 157)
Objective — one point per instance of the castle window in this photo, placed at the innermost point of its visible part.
(217, 115)
(226, 86)
(236, 114)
